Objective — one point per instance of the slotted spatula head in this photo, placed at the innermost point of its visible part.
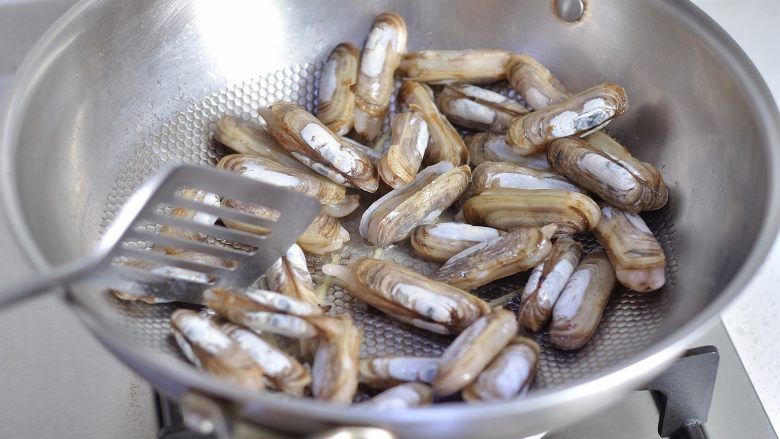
(132, 237)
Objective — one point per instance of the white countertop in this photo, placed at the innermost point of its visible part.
(91, 386)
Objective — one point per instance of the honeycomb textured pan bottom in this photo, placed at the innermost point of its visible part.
(628, 324)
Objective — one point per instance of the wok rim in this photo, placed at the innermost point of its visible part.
(620, 378)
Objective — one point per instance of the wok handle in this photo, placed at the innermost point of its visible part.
(211, 416)
(53, 281)
(692, 431)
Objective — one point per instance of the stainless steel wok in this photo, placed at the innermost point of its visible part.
(115, 90)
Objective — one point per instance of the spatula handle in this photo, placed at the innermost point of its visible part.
(49, 282)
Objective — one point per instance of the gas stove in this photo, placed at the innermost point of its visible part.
(60, 371)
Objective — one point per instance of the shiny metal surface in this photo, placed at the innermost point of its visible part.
(672, 107)
(113, 401)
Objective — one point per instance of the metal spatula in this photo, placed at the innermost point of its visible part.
(251, 254)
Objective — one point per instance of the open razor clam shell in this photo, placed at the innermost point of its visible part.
(453, 66)
(518, 250)
(382, 52)
(343, 208)
(385, 372)
(336, 101)
(477, 108)
(441, 241)
(506, 209)
(445, 141)
(492, 147)
(313, 144)
(473, 350)
(246, 137)
(277, 174)
(290, 276)
(546, 283)
(402, 396)
(216, 353)
(335, 367)
(490, 175)
(578, 115)
(408, 144)
(621, 180)
(393, 217)
(373, 154)
(409, 296)
(509, 375)
(283, 372)
(264, 311)
(637, 256)
(534, 82)
(324, 235)
(577, 312)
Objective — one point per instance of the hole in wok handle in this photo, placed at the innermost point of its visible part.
(570, 11)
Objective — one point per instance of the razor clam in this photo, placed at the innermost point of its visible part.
(509, 375)
(579, 115)
(393, 217)
(577, 312)
(452, 66)
(546, 283)
(491, 147)
(534, 82)
(603, 142)
(336, 101)
(316, 146)
(252, 209)
(335, 367)
(409, 296)
(324, 235)
(157, 295)
(637, 256)
(540, 89)
(290, 276)
(407, 149)
(621, 180)
(478, 109)
(282, 371)
(403, 396)
(468, 355)
(506, 209)
(245, 137)
(439, 242)
(519, 250)
(215, 352)
(185, 348)
(385, 45)
(373, 154)
(490, 175)
(277, 174)
(262, 310)
(197, 217)
(385, 372)
(342, 208)
(445, 142)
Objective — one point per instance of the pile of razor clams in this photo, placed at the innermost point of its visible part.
(533, 175)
